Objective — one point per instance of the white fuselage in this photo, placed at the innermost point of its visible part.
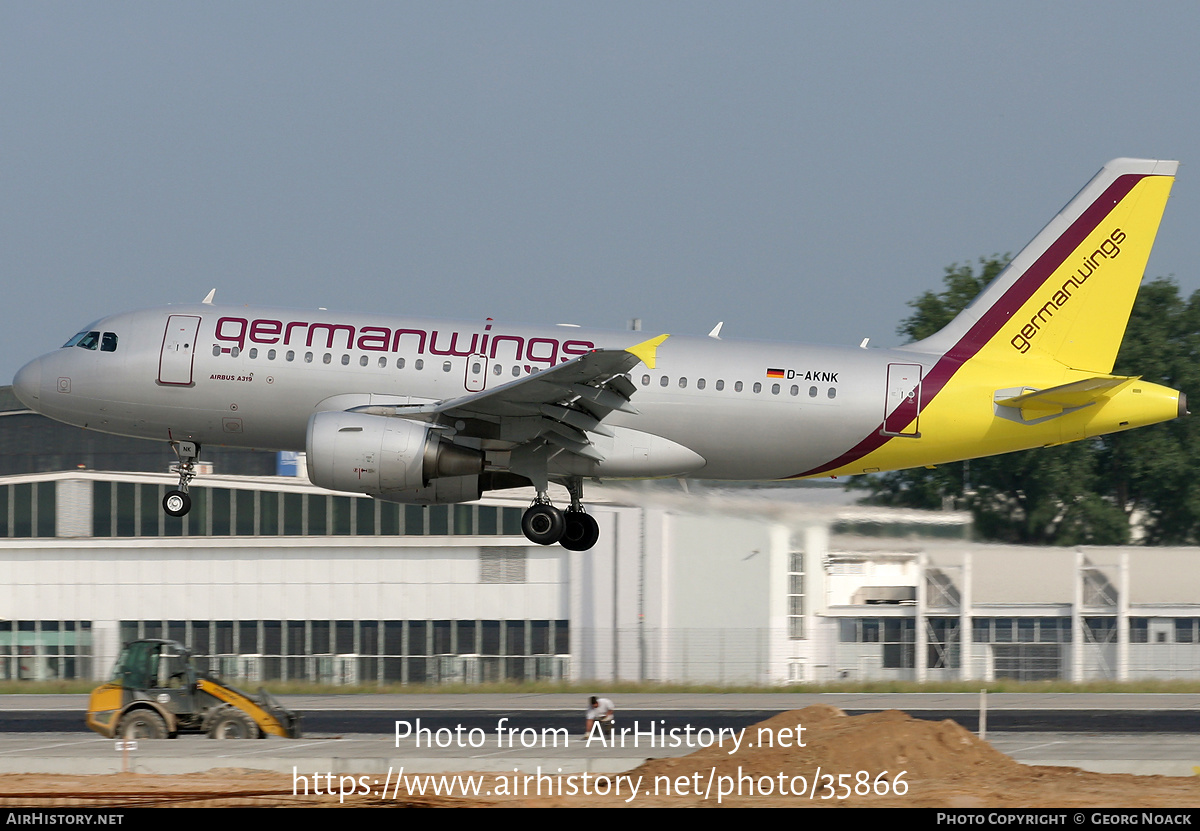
(254, 377)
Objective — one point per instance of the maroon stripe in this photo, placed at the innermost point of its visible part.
(999, 313)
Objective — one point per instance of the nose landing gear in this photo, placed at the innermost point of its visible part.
(178, 502)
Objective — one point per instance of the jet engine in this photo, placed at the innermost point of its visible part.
(390, 458)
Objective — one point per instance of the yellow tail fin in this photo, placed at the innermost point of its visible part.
(1068, 294)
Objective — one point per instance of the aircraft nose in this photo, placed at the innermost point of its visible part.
(28, 384)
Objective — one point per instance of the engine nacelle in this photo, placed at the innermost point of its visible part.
(392, 458)
(443, 490)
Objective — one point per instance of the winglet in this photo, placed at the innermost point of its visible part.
(647, 350)
(208, 298)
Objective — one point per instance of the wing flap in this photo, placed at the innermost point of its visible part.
(572, 399)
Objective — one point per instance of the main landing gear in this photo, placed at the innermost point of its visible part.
(179, 502)
(544, 524)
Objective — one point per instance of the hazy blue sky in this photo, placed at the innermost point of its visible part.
(798, 170)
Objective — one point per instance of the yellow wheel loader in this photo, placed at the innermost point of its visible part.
(156, 692)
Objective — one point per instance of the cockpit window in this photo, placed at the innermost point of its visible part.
(87, 339)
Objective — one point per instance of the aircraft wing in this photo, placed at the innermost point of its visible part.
(560, 404)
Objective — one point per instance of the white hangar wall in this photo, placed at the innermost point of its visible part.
(455, 595)
(273, 578)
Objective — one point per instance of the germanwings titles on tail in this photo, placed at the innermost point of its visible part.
(429, 411)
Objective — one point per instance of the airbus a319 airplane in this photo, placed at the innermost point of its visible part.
(429, 411)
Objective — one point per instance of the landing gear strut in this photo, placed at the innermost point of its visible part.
(179, 502)
(581, 531)
(574, 528)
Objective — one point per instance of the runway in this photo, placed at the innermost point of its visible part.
(1108, 733)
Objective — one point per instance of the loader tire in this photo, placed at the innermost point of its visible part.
(142, 724)
(233, 725)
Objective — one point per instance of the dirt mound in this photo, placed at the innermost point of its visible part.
(907, 762)
(890, 741)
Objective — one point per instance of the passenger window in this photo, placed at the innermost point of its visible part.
(812, 392)
(270, 354)
(662, 382)
(476, 368)
(645, 380)
(109, 342)
(683, 383)
(497, 369)
(720, 385)
(737, 387)
(833, 392)
(327, 358)
(795, 390)
(774, 389)
(419, 363)
(699, 383)
(516, 371)
(237, 350)
(362, 360)
(216, 351)
(308, 357)
(757, 387)
(291, 355)
(399, 363)
(382, 363)
(445, 366)
(254, 352)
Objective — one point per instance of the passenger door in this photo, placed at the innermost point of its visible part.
(178, 350)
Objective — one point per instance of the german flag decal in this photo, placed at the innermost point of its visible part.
(775, 373)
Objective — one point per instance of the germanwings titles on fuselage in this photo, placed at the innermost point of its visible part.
(426, 411)
(235, 332)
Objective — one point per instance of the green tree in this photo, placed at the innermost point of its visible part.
(933, 311)
(1151, 473)
(1091, 492)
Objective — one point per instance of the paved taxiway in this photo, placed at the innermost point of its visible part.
(1121, 732)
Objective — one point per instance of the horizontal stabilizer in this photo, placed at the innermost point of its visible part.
(1038, 404)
